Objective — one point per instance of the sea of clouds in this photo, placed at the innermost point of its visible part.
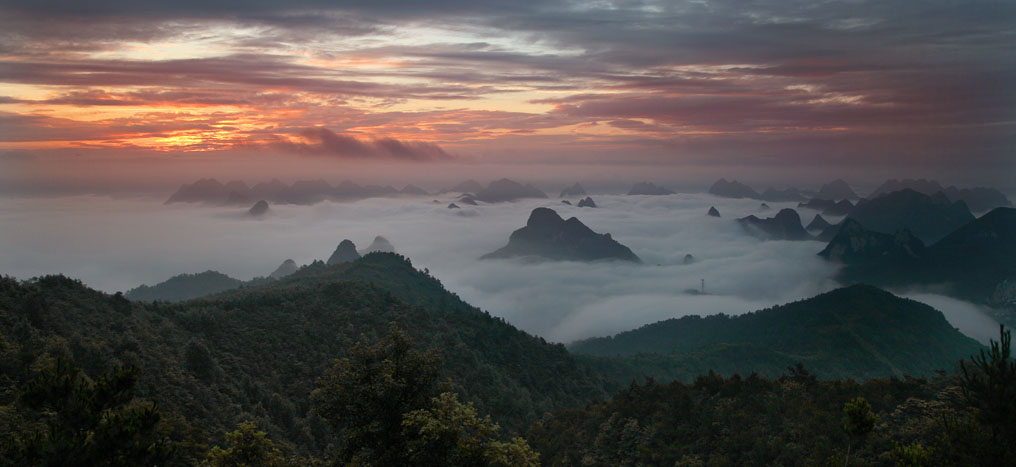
(115, 244)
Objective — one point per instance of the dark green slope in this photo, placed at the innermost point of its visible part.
(256, 352)
(858, 331)
(185, 287)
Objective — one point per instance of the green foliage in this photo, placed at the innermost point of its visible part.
(912, 455)
(853, 332)
(450, 433)
(254, 353)
(247, 446)
(860, 420)
(89, 423)
(365, 396)
(792, 420)
(185, 287)
(989, 386)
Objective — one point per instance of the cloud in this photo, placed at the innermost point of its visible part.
(561, 301)
(325, 142)
(896, 82)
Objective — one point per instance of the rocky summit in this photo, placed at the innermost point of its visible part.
(548, 236)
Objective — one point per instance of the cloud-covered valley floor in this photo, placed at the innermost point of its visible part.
(117, 244)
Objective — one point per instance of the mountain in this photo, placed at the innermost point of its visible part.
(286, 268)
(818, 224)
(413, 190)
(259, 209)
(861, 331)
(548, 236)
(927, 187)
(466, 199)
(836, 189)
(828, 207)
(978, 199)
(503, 190)
(842, 208)
(468, 186)
(789, 194)
(564, 201)
(927, 217)
(971, 263)
(205, 190)
(977, 257)
(185, 287)
(587, 202)
(646, 188)
(713, 212)
(344, 253)
(574, 190)
(830, 232)
(853, 244)
(453, 206)
(786, 225)
(274, 191)
(303, 191)
(257, 352)
(380, 244)
(732, 189)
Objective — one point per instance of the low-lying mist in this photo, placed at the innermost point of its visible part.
(117, 244)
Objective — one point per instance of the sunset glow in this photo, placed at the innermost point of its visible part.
(670, 83)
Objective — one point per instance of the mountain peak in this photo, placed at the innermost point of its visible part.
(548, 236)
(344, 253)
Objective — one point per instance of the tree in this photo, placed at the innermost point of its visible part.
(860, 421)
(90, 423)
(365, 396)
(989, 385)
(246, 446)
(451, 433)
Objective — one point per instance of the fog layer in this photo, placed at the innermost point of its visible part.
(117, 244)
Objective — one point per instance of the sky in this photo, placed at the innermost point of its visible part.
(118, 90)
(115, 244)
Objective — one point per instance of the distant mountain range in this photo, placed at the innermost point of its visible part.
(838, 191)
(503, 190)
(928, 217)
(977, 199)
(860, 330)
(576, 190)
(974, 262)
(646, 188)
(211, 191)
(188, 286)
(786, 225)
(548, 236)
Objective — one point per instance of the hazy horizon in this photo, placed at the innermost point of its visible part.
(117, 244)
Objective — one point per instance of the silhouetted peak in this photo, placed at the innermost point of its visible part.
(647, 188)
(543, 217)
(380, 244)
(286, 268)
(344, 253)
(258, 209)
(575, 190)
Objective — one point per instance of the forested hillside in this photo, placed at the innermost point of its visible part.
(853, 332)
(255, 353)
(318, 362)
